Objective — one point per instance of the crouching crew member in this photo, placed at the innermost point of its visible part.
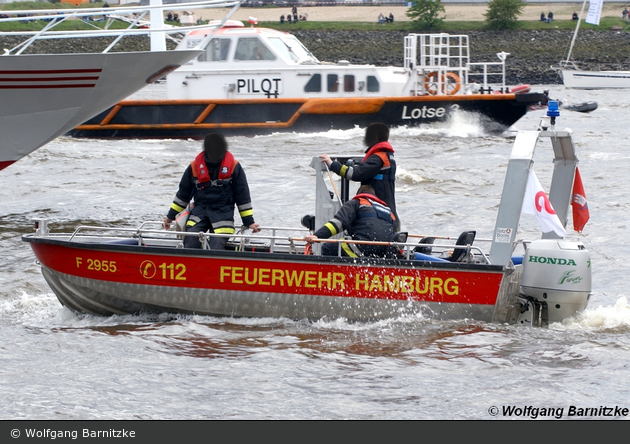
(216, 183)
(377, 169)
(365, 217)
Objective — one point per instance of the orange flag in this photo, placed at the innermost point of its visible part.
(579, 203)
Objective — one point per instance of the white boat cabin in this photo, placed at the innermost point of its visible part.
(251, 63)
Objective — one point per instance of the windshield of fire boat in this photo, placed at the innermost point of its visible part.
(291, 49)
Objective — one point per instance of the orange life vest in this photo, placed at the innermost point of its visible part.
(383, 150)
(201, 172)
(380, 149)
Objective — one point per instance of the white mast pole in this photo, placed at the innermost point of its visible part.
(575, 32)
(158, 39)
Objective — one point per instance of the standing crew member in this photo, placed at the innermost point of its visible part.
(377, 169)
(366, 218)
(216, 183)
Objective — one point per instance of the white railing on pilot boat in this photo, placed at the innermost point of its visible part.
(490, 73)
(133, 15)
(439, 65)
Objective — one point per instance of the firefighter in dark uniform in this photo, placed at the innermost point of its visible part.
(365, 217)
(377, 169)
(216, 183)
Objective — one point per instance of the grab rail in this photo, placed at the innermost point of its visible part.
(56, 16)
(406, 246)
(292, 243)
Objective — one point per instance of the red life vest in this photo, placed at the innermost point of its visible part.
(201, 172)
(368, 199)
(380, 149)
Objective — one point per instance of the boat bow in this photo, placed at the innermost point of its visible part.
(50, 94)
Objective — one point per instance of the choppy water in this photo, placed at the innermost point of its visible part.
(59, 365)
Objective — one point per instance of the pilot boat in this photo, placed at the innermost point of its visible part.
(254, 81)
(504, 279)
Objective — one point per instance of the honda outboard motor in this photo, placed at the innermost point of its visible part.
(556, 279)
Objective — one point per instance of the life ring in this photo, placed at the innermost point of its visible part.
(430, 83)
(450, 83)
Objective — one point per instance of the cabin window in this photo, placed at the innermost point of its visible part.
(348, 83)
(333, 83)
(216, 51)
(372, 84)
(314, 85)
(251, 48)
(290, 49)
(283, 49)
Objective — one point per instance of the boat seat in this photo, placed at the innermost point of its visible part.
(466, 238)
(422, 248)
(308, 221)
(399, 237)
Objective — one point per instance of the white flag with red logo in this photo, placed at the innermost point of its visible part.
(537, 203)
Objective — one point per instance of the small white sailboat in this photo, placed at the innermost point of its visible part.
(573, 77)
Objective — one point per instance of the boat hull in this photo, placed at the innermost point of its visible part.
(50, 94)
(595, 79)
(195, 118)
(105, 279)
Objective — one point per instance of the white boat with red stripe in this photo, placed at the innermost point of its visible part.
(44, 95)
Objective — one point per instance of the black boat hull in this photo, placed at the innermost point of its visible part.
(195, 118)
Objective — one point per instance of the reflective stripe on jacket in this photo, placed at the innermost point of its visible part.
(214, 198)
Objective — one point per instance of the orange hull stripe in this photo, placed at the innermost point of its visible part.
(342, 106)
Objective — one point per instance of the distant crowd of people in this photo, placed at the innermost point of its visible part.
(293, 16)
(547, 19)
(383, 19)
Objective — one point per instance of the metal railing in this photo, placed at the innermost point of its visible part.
(439, 65)
(132, 16)
(273, 242)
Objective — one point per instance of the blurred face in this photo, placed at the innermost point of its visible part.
(374, 134)
(369, 139)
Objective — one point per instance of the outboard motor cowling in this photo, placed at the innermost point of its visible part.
(557, 275)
